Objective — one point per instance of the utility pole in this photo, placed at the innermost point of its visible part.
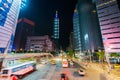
(89, 52)
(107, 59)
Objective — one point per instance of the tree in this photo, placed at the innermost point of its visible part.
(54, 53)
(101, 55)
(70, 53)
(114, 55)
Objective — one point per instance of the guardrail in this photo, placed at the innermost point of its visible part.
(24, 55)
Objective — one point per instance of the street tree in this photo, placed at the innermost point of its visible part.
(115, 55)
(70, 53)
(101, 56)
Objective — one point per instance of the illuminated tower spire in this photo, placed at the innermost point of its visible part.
(56, 26)
(56, 30)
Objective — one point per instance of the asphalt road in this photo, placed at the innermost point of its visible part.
(52, 72)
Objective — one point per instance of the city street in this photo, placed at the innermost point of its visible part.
(52, 72)
(59, 39)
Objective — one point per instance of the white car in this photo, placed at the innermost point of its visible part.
(81, 72)
(43, 61)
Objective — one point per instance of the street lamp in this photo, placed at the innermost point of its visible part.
(107, 57)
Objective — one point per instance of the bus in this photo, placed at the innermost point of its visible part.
(19, 70)
(64, 63)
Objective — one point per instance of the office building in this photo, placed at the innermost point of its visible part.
(40, 44)
(25, 28)
(76, 32)
(56, 26)
(9, 11)
(109, 18)
(71, 43)
(89, 26)
(56, 30)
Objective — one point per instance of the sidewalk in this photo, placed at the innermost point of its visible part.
(113, 75)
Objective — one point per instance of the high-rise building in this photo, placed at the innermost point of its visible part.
(56, 30)
(23, 4)
(76, 31)
(56, 26)
(89, 26)
(25, 28)
(71, 38)
(109, 18)
(39, 43)
(9, 11)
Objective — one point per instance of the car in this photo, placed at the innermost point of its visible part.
(63, 77)
(52, 61)
(81, 72)
(117, 66)
(71, 63)
(43, 61)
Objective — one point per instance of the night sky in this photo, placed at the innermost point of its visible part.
(42, 13)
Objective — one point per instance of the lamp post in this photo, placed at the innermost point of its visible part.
(107, 58)
(61, 53)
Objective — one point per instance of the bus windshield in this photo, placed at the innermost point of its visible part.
(5, 72)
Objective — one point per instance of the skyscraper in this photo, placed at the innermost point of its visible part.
(23, 4)
(109, 18)
(89, 26)
(56, 30)
(76, 31)
(56, 26)
(9, 11)
(24, 29)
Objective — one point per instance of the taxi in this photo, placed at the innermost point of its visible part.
(52, 61)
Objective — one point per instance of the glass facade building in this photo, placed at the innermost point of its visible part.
(76, 31)
(56, 31)
(9, 11)
(89, 26)
(56, 26)
(109, 18)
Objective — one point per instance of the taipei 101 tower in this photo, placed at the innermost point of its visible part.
(56, 30)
